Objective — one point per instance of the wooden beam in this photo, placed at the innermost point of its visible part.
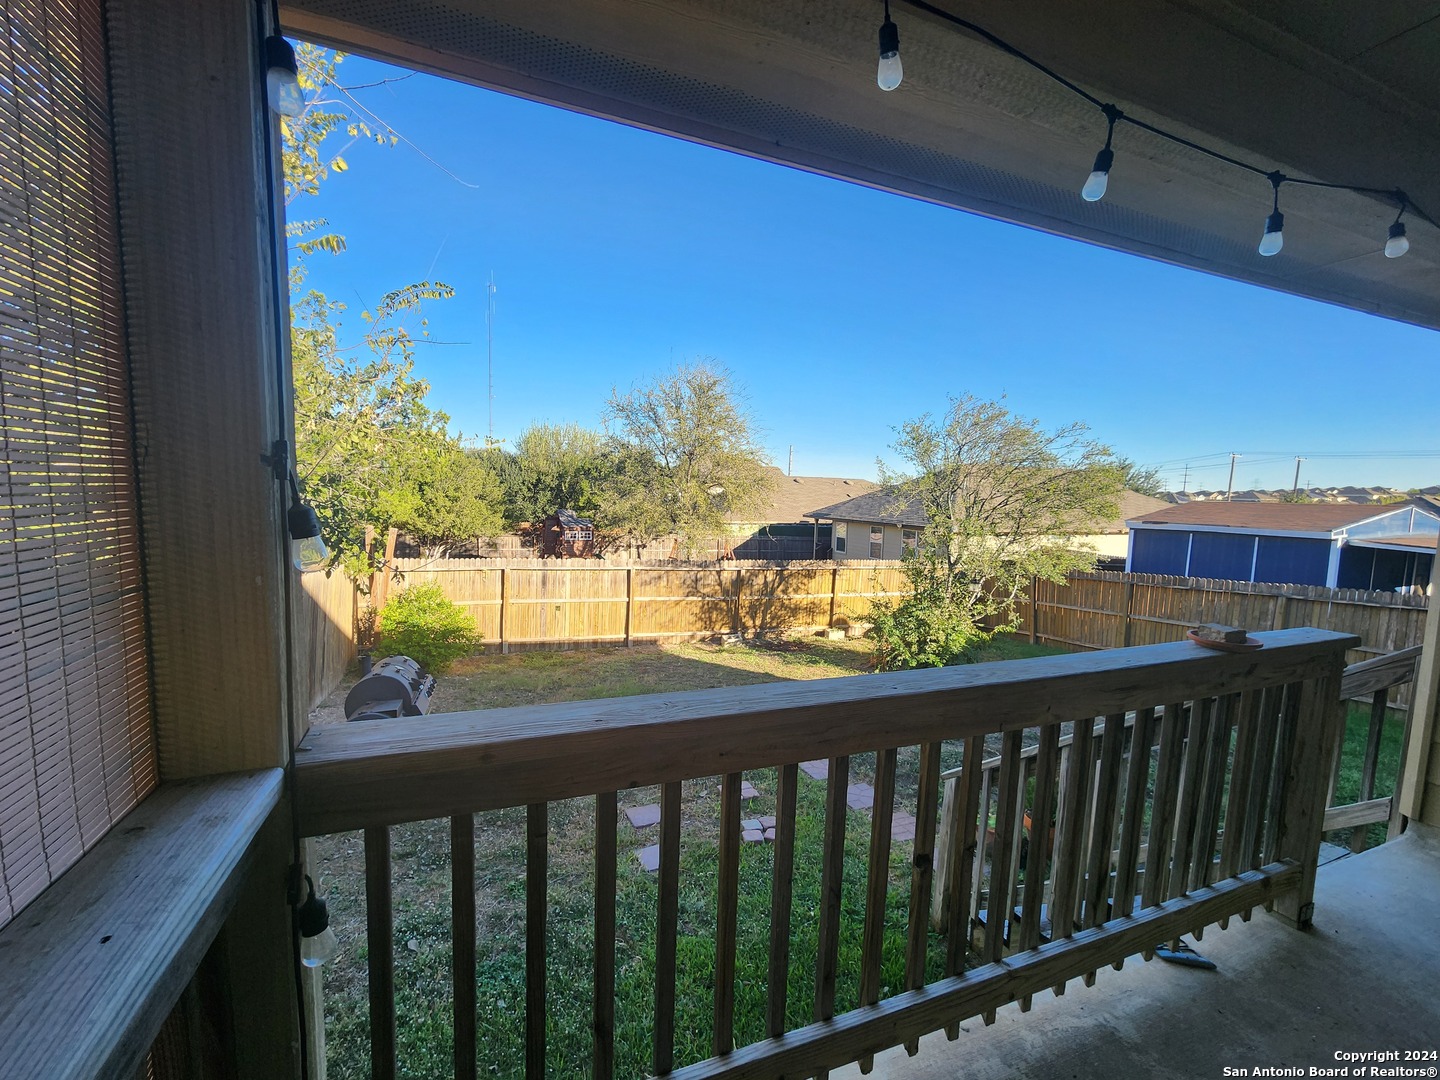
(1356, 814)
(203, 316)
(96, 963)
(357, 775)
(1392, 669)
(1424, 730)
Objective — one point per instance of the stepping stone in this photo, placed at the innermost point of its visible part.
(816, 770)
(902, 826)
(767, 821)
(752, 825)
(751, 836)
(860, 796)
(649, 857)
(643, 816)
(769, 833)
(747, 790)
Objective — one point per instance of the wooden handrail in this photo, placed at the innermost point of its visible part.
(1069, 833)
(1381, 673)
(384, 772)
(92, 968)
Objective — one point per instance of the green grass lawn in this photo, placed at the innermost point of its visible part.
(421, 868)
(1352, 759)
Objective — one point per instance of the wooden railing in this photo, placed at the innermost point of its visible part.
(1228, 817)
(1373, 679)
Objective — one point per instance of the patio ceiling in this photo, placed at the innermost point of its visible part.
(1341, 93)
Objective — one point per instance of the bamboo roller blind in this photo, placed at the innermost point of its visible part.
(76, 744)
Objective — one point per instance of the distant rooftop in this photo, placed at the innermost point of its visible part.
(793, 497)
(1287, 517)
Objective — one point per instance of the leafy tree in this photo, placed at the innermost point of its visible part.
(553, 466)
(369, 450)
(1140, 478)
(1002, 496)
(688, 454)
(452, 496)
(1299, 495)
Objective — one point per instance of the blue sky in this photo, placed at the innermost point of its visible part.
(841, 311)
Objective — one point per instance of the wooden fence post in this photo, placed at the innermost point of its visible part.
(629, 605)
(1034, 611)
(1129, 601)
(834, 593)
(1282, 612)
(504, 645)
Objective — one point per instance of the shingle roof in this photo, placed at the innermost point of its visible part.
(793, 497)
(1286, 517)
(885, 507)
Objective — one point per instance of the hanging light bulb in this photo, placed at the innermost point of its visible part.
(282, 77)
(890, 71)
(307, 549)
(1274, 238)
(1094, 189)
(1398, 243)
(317, 941)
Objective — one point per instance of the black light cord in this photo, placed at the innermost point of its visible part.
(1114, 115)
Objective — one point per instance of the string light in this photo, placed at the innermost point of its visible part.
(282, 77)
(1395, 246)
(1397, 243)
(890, 71)
(1274, 238)
(1094, 189)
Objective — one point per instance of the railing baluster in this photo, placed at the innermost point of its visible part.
(780, 897)
(380, 949)
(726, 905)
(1279, 769)
(1039, 852)
(872, 942)
(1197, 747)
(922, 871)
(1069, 848)
(462, 935)
(667, 924)
(964, 845)
(832, 874)
(1162, 815)
(1001, 866)
(977, 871)
(1207, 821)
(1233, 847)
(1132, 822)
(602, 1021)
(1359, 838)
(1266, 734)
(1102, 825)
(537, 859)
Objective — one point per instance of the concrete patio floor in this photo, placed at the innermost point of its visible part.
(1365, 978)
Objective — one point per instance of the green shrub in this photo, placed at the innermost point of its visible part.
(931, 627)
(422, 624)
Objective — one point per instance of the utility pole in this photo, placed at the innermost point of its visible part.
(490, 355)
(1185, 482)
(790, 471)
(1230, 484)
(1295, 488)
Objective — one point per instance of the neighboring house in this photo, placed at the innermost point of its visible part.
(1345, 545)
(876, 525)
(782, 529)
(883, 525)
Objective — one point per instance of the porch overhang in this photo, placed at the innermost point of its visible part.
(1341, 96)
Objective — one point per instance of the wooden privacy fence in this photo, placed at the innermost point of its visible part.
(558, 602)
(1223, 829)
(1110, 611)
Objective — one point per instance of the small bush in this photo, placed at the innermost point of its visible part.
(929, 628)
(422, 624)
